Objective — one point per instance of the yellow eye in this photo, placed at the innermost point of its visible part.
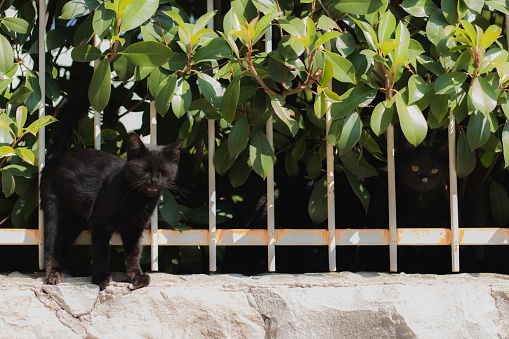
(415, 168)
(434, 171)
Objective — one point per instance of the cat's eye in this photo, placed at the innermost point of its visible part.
(434, 171)
(415, 168)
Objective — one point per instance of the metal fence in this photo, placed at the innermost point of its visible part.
(452, 235)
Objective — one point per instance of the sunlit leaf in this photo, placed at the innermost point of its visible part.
(260, 153)
(413, 124)
(239, 137)
(137, 13)
(100, 86)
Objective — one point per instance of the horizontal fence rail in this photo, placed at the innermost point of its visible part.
(290, 237)
(212, 237)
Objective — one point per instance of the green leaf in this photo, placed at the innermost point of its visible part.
(25, 154)
(164, 94)
(21, 117)
(261, 154)
(318, 207)
(284, 113)
(239, 137)
(324, 38)
(499, 202)
(169, 210)
(86, 53)
(8, 183)
(77, 8)
(222, 159)
(386, 26)
(478, 130)
(343, 69)
(230, 100)
(361, 7)
(212, 89)
(482, 95)
(102, 21)
(263, 24)
(182, 98)
(240, 170)
(203, 21)
(100, 86)
(417, 88)
(465, 157)
(350, 133)
(299, 149)
(360, 191)
(212, 50)
(6, 151)
(17, 25)
(359, 96)
(419, 8)
(34, 127)
(435, 28)
(20, 95)
(449, 82)
(356, 164)
(382, 116)
(148, 53)
(505, 144)
(265, 6)
(413, 124)
(137, 13)
(345, 43)
(6, 54)
(18, 171)
(403, 39)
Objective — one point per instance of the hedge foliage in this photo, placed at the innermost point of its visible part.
(410, 63)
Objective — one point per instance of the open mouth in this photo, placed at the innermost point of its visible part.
(152, 189)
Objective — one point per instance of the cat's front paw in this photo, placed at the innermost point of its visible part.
(54, 277)
(102, 280)
(139, 281)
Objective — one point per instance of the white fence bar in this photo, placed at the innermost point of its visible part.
(97, 115)
(453, 187)
(285, 237)
(212, 176)
(42, 112)
(331, 206)
(154, 249)
(269, 130)
(391, 175)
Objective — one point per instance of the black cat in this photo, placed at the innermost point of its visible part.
(93, 189)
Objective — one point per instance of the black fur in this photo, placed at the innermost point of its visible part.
(102, 192)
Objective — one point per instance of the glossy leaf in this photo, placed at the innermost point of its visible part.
(77, 8)
(148, 53)
(318, 207)
(34, 127)
(499, 202)
(359, 96)
(164, 94)
(222, 159)
(478, 130)
(419, 8)
(360, 7)
(86, 53)
(482, 95)
(102, 20)
(182, 98)
(6, 54)
(417, 88)
(240, 170)
(465, 157)
(342, 68)
(100, 86)
(382, 116)
(169, 210)
(17, 25)
(284, 113)
(261, 154)
(356, 164)
(137, 13)
(505, 144)
(212, 89)
(386, 26)
(239, 137)
(413, 124)
(360, 191)
(449, 82)
(8, 183)
(350, 133)
(230, 100)
(6, 151)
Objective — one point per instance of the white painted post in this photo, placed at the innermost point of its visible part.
(391, 175)
(453, 183)
(269, 130)
(154, 240)
(212, 176)
(42, 113)
(97, 115)
(331, 206)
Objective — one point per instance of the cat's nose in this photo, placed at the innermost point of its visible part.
(424, 180)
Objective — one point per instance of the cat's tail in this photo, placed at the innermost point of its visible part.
(68, 112)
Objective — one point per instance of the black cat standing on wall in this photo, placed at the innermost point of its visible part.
(87, 188)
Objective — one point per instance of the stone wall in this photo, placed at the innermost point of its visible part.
(332, 305)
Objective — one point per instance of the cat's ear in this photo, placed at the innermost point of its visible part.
(135, 147)
(173, 151)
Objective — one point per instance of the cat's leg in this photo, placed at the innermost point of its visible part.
(52, 241)
(132, 248)
(100, 255)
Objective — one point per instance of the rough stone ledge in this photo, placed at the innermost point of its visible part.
(330, 305)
